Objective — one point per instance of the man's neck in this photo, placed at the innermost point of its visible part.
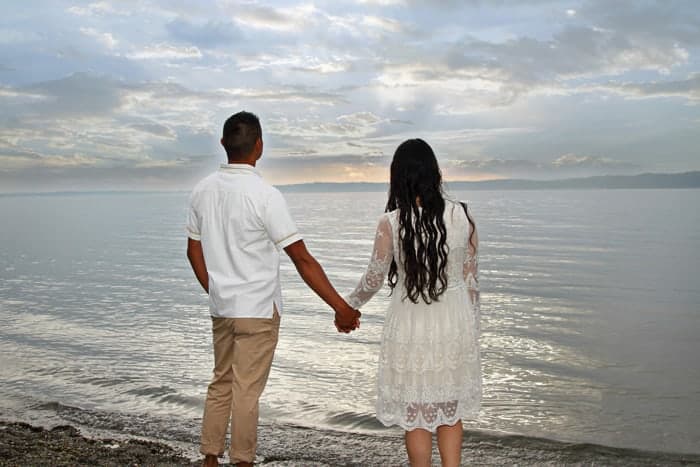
(248, 162)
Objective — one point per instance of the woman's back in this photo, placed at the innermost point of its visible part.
(457, 230)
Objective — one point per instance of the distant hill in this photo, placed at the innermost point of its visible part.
(642, 181)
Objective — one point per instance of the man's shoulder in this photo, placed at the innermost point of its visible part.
(264, 187)
(205, 182)
(254, 186)
(203, 186)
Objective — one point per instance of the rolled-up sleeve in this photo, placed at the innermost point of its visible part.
(193, 227)
(278, 221)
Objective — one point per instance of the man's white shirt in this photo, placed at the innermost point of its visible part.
(242, 222)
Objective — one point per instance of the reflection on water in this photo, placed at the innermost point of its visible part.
(589, 312)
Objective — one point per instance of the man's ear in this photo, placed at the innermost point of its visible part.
(221, 141)
(259, 146)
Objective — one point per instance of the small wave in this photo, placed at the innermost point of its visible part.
(109, 382)
(355, 421)
(167, 395)
(153, 392)
(186, 401)
(180, 429)
(54, 406)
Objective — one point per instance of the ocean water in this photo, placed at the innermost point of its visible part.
(590, 302)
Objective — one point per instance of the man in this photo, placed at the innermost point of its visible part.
(236, 224)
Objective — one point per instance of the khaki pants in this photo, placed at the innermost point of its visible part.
(243, 351)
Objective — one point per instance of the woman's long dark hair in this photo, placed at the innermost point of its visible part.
(416, 178)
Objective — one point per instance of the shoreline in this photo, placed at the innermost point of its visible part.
(287, 445)
(64, 445)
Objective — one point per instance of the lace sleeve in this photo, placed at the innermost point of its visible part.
(470, 270)
(373, 278)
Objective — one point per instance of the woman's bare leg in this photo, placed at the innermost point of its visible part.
(419, 446)
(449, 440)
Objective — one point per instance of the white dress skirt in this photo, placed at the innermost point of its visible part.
(429, 371)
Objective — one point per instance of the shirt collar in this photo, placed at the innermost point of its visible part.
(239, 169)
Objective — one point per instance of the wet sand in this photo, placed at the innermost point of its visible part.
(282, 445)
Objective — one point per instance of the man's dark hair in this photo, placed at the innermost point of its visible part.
(241, 131)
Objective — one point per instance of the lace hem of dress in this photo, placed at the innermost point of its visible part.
(436, 416)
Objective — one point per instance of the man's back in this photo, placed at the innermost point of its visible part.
(241, 222)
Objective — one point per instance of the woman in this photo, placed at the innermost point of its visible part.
(429, 376)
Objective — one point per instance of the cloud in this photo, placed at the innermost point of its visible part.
(15, 36)
(11, 94)
(276, 19)
(294, 59)
(474, 74)
(77, 94)
(95, 9)
(149, 163)
(575, 161)
(166, 51)
(493, 164)
(386, 24)
(154, 128)
(130, 114)
(381, 2)
(316, 161)
(323, 68)
(105, 38)
(209, 34)
(281, 93)
(360, 119)
(356, 125)
(573, 52)
(312, 168)
(13, 159)
(562, 166)
(142, 176)
(687, 88)
(647, 22)
(87, 119)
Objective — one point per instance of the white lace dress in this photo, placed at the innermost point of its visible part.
(429, 365)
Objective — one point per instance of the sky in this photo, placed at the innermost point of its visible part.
(133, 94)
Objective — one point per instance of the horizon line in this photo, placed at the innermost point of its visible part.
(355, 183)
(491, 180)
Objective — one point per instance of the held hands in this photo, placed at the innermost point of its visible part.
(347, 319)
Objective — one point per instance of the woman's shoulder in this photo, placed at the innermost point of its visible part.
(389, 216)
(390, 219)
(454, 212)
(393, 213)
(452, 203)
